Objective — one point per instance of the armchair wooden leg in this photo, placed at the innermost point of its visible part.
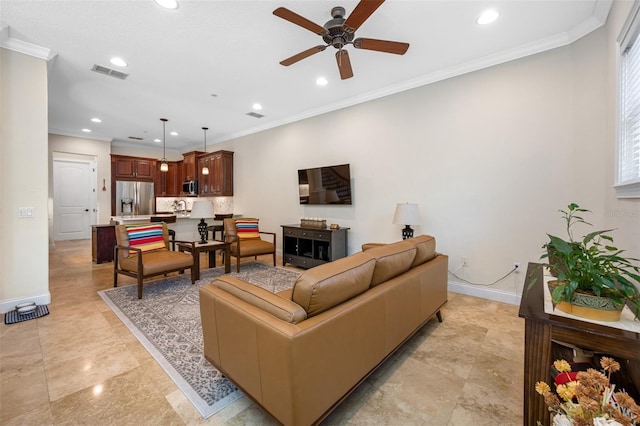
(238, 263)
(274, 258)
(139, 286)
(115, 278)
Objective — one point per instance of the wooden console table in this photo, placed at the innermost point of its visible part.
(309, 247)
(541, 328)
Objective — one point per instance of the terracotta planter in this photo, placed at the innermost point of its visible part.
(589, 306)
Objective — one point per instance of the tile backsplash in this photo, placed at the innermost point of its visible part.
(221, 205)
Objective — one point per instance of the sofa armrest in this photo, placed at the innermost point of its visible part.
(277, 306)
(367, 246)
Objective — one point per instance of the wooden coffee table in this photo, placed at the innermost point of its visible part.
(210, 248)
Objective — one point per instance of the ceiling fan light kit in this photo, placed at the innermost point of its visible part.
(340, 32)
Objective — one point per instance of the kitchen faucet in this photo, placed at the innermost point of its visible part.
(176, 206)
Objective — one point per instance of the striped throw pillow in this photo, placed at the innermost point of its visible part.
(247, 229)
(147, 237)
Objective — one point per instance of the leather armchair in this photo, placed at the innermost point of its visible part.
(143, 265)
(247, 247)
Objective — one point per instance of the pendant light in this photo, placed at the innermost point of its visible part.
(164, 166)
(205, 169)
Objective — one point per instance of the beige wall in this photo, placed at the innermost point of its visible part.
(24, 257)
(143, 152)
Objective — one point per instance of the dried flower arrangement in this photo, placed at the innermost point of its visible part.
(591, 399)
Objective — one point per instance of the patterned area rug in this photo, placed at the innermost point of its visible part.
(167, 322)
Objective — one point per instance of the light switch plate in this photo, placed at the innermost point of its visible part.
(25, 212)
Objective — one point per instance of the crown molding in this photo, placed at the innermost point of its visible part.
(16, 45)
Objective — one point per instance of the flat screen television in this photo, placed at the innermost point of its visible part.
(325, 185)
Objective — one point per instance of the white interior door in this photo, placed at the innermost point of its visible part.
(72, 200)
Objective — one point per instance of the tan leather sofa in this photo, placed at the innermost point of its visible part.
(299, 353)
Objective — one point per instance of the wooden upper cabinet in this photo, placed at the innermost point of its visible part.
(219, 181)
(168, 184)
(133, 168)
(189, 165)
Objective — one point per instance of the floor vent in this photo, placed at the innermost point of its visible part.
(255, 115)
(110, 72)
(136, 138)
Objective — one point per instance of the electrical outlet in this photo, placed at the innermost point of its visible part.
(464, 261)
(516, 266)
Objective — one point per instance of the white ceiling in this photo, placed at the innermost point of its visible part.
(179, 58)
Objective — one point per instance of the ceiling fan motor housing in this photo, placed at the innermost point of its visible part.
(337, 37)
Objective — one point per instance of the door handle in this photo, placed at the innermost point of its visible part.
(86, 210)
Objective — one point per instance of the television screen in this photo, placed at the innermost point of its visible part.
(325, 185)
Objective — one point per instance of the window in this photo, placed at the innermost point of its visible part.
(628, 170)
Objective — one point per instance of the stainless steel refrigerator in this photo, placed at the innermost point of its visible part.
(134, 198)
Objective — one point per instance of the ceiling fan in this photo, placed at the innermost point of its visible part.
(340, 32)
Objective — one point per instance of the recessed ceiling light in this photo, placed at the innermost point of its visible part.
(257, 107)
(174, 133)
(118, 62)
(168, 4)
(96, 120)
(321, 81)
(86, 130)
(487, 17)
(157, 140)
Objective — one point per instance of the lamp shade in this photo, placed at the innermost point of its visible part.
(406, 214)
(202, 210)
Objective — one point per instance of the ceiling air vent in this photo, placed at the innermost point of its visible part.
(255, 115)
(110, 72)
(136, 138)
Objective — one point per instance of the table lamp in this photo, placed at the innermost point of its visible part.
(202, 210)
(406, 214)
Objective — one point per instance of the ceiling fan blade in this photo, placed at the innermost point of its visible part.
(294, 18)
(344, 64)
(305, 54)
(387, 46)
(361, 13)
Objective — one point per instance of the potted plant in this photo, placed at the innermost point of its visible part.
(593, 279)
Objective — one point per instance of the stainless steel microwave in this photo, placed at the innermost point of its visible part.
(190, 187)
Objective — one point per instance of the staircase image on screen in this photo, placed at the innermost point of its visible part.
(325, 185)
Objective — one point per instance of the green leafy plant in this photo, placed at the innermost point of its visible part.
(591, 265)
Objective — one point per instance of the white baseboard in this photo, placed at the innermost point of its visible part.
(9, 305)
(485, 293)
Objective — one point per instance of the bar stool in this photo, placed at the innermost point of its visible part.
(172, 233)
(219, 228)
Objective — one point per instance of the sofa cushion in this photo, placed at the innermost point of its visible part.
(277, 306)
(146, 237)
(425, 249)
(323, 287)
(247, 228)
(391, 260)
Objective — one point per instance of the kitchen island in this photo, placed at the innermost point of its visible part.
(186, 227)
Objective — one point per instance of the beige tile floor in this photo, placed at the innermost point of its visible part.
(81, 365)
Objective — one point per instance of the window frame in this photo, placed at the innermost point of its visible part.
(629, 36)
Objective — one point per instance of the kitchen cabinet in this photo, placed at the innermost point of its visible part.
(168, 184)
(133, 168)
(219, 181)
(103, 240)
(189, 165)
